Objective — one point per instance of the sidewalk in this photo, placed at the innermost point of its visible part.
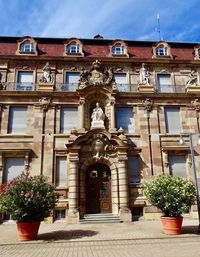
(61, 232)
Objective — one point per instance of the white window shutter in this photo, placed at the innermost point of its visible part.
(68, 119)
(17, 120)
(125, 119)
(134, 169)
(172, 120)
(177, 165)
(61, 171)
(13, 167)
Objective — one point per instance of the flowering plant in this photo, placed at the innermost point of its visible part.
(172, 195)
(27, 198)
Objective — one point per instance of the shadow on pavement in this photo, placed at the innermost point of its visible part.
(189, 230)
(66, 235)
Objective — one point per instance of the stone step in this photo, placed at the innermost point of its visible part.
(100, 218)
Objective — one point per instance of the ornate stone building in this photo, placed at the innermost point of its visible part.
(98, 118)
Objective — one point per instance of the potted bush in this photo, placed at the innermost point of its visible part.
(173, 196)
(28, 200)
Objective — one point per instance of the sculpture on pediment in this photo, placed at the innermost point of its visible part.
(96, 76)
(192, 79)
(144, 78)
(47, 76)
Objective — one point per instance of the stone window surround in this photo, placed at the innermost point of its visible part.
(166, 46)
(63, 155)
(22, 41)
(197, 52)
(73, 41)
(120, 43)
(17, 70)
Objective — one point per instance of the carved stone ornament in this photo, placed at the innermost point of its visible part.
(192, 79)
(44, 102)
(195, 105)
(96, 76)
(101, 147)
(47, 76)
(148, 104)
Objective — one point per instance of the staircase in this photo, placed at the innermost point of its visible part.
(100, 218)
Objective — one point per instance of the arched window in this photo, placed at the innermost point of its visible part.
(73, 48)
(118, 49)
(26, 47)
(161, 50)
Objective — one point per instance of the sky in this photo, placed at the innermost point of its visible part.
(113, 19)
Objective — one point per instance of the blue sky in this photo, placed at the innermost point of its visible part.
(126, 19)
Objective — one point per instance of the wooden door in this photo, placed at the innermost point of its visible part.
(98, 189)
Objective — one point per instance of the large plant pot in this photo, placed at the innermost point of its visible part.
(27, 230)
(172, 225)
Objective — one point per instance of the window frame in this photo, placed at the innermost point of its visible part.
(132, 124)
(29, 41)
(10, 127)
(185, 162)
(139, 170)
(165, 119)
(63, 157)
(60, 123)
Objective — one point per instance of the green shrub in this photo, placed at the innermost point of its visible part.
(27, 198)
(172, 195)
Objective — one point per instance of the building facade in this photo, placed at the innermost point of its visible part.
(98, 118)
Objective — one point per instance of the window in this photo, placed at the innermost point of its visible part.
(25, 80)
(68, 119)
(134, 169)
(161, 51)
(61, 171)
(60, 214)
(72, 80)
(13, 167)
(120, 79)
(124, 119)
(17, 120)
(177, 165)
(172, 120)
(27, 46)
(73, 48)
(164, 83)
(118, 50)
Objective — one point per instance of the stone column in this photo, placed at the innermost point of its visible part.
(125, 213)
(81, 114)
(73, 212)
(112, 115)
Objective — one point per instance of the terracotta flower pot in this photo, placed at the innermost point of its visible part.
(27, 230)
(172, 225)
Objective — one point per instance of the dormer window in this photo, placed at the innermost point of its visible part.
(118, 48)
(197, 52)
(161, 50)
(73, 47)
(27, 46)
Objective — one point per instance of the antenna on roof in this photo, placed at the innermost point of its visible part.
(158, 27)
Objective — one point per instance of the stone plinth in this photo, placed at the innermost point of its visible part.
(73, 217)
(146, 89)
(46, 87)
(125, 215)
(193, 89)
(97, 124)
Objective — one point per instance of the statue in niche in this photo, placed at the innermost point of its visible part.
(192, 79)
(98, 114)
(144, 78)
(47, 75)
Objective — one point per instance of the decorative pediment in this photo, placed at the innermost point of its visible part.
(72, 47)
(162, 50)
(26, 46)
(97, 75)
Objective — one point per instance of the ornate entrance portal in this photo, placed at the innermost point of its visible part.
(98, 189)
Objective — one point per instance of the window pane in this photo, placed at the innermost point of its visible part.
(164, 83)
(177, 165)
(25, 77)
(72, 77)
(61, 172)
(68, 119)
(134, 169)
(172, 120)
(13, 167)
(17, 120)
(125, 119)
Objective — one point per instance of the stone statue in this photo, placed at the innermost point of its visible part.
(97, 114)
(47, 75)
(192, 79)
(144, 76)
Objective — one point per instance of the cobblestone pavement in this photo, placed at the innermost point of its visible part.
(137, 239)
